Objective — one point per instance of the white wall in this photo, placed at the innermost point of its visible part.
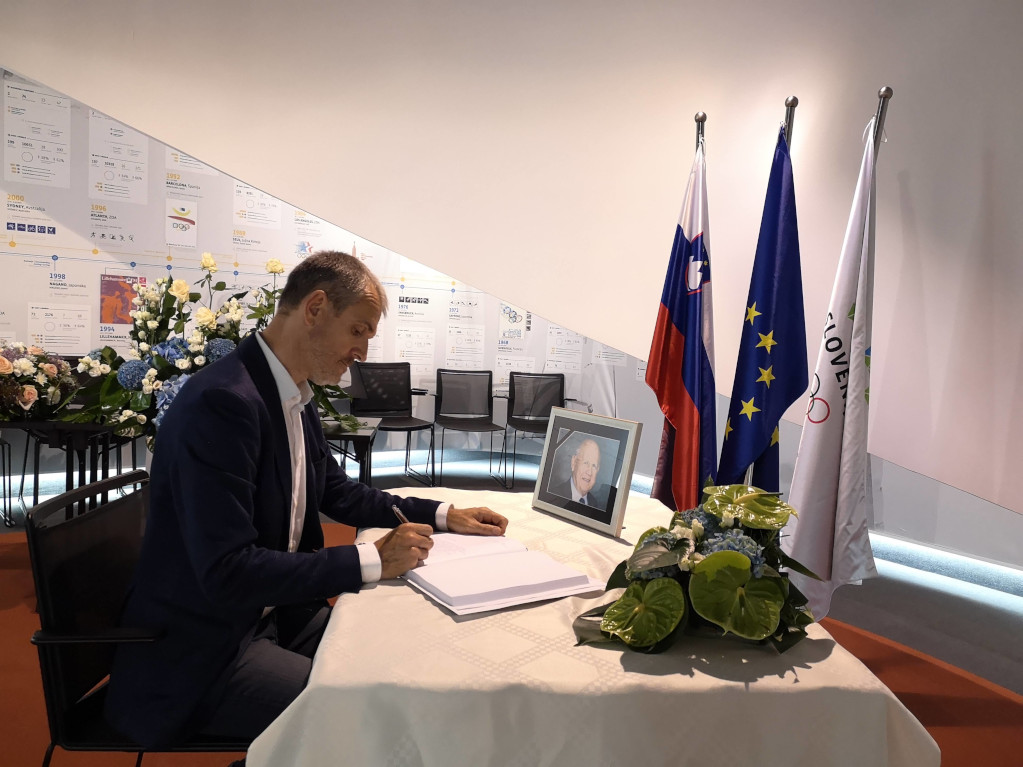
(526, 147)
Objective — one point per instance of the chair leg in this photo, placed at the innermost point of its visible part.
(502, 465)
(427, 476)
(138, 761)
(49, 749)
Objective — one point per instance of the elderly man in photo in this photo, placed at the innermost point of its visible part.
(234, 574)
(585, 466)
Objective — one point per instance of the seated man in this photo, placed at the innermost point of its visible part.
(233, 571)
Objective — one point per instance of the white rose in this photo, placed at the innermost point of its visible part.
(141, 418)
(204, 318)
(157, 385)
(727, 519)
(143, 347)
(104, 368)
(152, 324)
(180, 290)
(147, 388)
(151, 373)
(142, 334)
(207, 263)
(274, 266)
(200, 361)
(182, 364)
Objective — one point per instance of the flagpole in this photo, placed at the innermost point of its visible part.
(790, 115)
(883, 95)
(701, 118)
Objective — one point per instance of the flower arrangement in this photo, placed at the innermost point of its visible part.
(34, 385)
(136, 391)
(716, 567)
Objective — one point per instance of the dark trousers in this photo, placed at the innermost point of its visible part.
(271, 672)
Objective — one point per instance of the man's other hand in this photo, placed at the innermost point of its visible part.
(476, 521)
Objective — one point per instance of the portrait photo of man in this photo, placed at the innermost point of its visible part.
(580, 482)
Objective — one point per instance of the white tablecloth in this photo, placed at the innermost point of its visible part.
(399, 681)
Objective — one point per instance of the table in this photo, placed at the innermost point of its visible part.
(86, 447)
(398, 681)
(360, 443)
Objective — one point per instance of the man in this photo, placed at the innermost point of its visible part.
(585, 466)
(233, 572)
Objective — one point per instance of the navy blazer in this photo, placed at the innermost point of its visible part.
(215, 549)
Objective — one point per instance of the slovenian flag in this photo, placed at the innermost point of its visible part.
(770, 373)
(831, 486)
(680, 369)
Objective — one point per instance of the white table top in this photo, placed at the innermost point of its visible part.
(397, 680)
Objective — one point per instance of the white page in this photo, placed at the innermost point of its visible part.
(472, 580)
(448, 546)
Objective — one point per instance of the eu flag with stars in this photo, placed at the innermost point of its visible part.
(771, 370)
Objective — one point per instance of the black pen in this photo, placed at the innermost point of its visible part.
(401, 517)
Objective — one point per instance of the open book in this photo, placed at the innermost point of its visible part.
(473, 573)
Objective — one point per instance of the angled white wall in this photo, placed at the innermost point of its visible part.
(538, 151)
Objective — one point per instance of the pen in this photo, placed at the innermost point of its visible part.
(401, 517)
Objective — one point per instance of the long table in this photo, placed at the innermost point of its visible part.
(397, 680)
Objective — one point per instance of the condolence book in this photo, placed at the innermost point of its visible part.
(472, 573)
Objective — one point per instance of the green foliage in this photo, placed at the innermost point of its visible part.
(718, 565)
(722, 591)
(646, 613)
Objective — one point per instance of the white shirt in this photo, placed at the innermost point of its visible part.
(293, 401)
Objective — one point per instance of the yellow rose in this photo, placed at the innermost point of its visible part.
(274, 266)
(207, 263)
(6, 368)
(205, 318)
(179, 289)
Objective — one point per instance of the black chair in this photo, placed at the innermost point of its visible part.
(6, 483)
(386, 393)
(465, 402)
(530, 399)
(82, 565)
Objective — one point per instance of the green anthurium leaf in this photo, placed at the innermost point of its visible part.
(587, 626)
(795, 566)
(617, 580)
(751, 506)
(646, 613)
(653, 555)
(723, 592)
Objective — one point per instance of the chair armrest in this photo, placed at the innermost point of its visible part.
(109, 636)
(420, 392)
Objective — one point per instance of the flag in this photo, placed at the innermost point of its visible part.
(680, 369)
(831, 486)
(771, 370)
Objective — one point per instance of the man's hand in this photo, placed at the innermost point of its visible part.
(403, 548)
(476, 521)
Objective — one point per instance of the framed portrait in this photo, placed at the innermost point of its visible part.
(586, 469)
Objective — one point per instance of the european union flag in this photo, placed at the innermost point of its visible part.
(771, 371)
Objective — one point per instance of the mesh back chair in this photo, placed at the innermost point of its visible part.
(530, 399)
(465, 402)
(82, 565)
(387, 389)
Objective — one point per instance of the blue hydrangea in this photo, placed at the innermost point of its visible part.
(95, 354)
(217, 348)
(166, 395)
(711, 524)
(131, 374)
(735, 540)
(172, 350)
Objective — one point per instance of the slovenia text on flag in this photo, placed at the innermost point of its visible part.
(681, 365)
(771, 370)
(831, 486)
